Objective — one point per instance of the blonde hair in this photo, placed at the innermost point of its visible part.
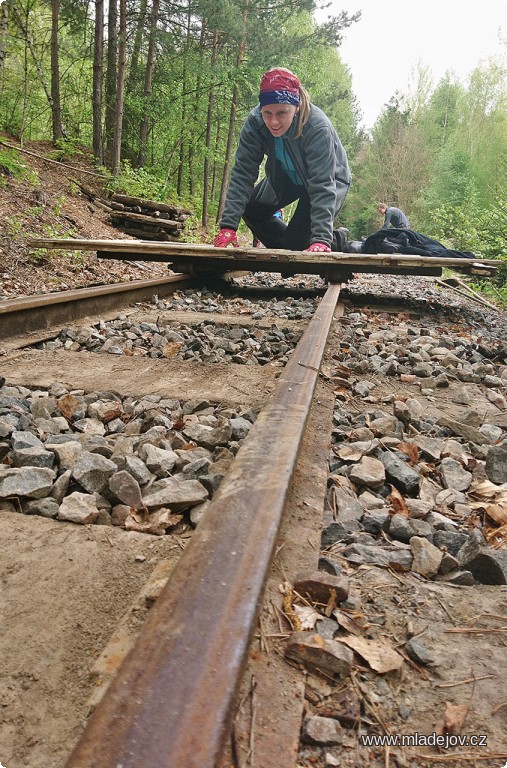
(304, 110)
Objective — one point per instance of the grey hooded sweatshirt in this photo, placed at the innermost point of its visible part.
(319, 159)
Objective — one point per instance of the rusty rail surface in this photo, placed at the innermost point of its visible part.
(37, 313)
(171, 702)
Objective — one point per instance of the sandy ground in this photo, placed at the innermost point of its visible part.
(63, 590)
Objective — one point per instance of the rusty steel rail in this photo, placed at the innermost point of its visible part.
(171, 702)
(37, 313)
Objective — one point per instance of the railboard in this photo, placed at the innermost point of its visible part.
(192, 258)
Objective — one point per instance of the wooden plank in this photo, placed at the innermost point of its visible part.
(171, 250)
(152, 220)
(153, 205)
(159, 235)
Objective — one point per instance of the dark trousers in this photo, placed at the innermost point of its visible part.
(272, 231)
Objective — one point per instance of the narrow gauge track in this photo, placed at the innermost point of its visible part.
(32, 314)
(220, 578)
(172, 700)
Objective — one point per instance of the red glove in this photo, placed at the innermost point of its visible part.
(322, 247)
(224, 237)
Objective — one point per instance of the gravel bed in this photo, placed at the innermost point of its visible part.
(204, 342)
(149, 465)
(289, 308)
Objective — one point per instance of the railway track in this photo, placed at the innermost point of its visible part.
(250, 504)
(216, 632)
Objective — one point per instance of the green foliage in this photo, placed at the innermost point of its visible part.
(67, 149)
(456, 227)
(12, 166)
(138, 182)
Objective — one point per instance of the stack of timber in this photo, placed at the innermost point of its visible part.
(147, 219)
(144, 219)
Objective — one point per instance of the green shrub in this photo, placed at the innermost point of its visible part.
(12, 166)
(137, 182)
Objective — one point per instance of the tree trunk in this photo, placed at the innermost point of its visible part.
(148, 84)
(136, 48)
(195, 137)
(218, 136)
(111, 79)
(4, 25)
(98, 53)
(209, 120)
(56, 107)
(23, 25)
(184, 108)
(232, 119)
(120, 89)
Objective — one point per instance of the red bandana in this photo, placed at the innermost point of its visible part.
(279, 86)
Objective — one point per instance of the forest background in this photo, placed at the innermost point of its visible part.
(157, 92)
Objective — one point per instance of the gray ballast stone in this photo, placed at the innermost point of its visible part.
(400, 528)
(375, 520)
(158, 460)
(464, 430)
(454, 476)
(369, 472)
(452, 541)
(209, 437)
(471, 548)
(347, 506)
(427, 557)
(496, 463)
(78, 508)
(33, 457)
(463, 578)
(25, 440)
(337, 532)
(240, 427)
(126, 489)
(46, 507)
(92, 471)
(325, 731)
(489, 566)
(400, 474)
(359, 553)
(175, 494)
(418, 652)
(33, 482)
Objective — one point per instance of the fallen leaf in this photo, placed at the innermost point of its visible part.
(454, 718)
(485, 489)
(155, 523)
(498, 513)
(380, 656)
(307, 616)
(411, 450)
(349, 624)
(68, 405)
(114, 413)
(398, 503)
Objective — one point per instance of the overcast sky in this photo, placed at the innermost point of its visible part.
(384, 48)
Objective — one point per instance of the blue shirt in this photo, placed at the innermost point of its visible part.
(285, 161)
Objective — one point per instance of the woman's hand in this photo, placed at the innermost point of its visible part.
(225, 237)
(319, 247)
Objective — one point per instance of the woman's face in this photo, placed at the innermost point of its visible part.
(278, 117)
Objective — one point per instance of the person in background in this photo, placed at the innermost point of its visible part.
(305, 162)
(393, 217)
